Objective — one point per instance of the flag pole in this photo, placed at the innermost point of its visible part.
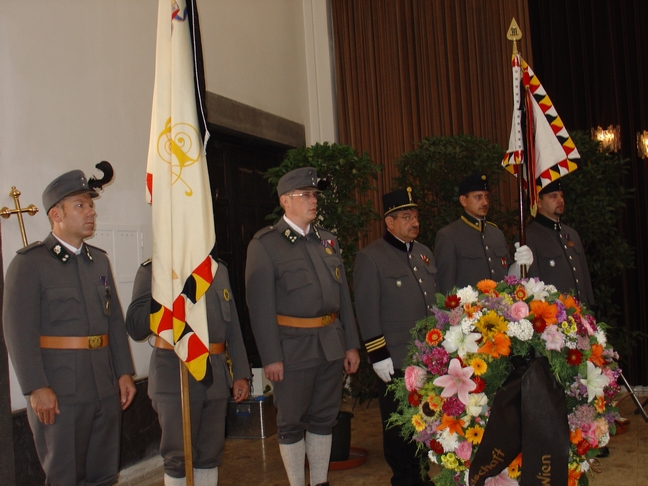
(186, 422)
(515, 34)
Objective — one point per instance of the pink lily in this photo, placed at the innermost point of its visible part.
(457, 381)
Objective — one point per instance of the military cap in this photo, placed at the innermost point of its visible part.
(551, 187)
(474, 182)
(398, 200)
(73, 182)
(302, 178)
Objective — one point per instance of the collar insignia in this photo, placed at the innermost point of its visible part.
(290, 235)
(61, 253)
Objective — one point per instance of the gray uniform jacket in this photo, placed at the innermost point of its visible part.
(469, 250)
(223, 325)
(559, 258)
(297, 276)
(393, 289)
(52, 293)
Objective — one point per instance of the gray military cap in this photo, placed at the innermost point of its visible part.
(73, 182)
(302, 178)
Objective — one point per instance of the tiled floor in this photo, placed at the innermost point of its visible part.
(257, 461)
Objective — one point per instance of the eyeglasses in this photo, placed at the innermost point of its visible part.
(408, 217)
(306, 194)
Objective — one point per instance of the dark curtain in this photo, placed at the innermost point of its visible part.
(408, 69)
(592, 57)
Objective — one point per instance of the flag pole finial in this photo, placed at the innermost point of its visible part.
(514, 34)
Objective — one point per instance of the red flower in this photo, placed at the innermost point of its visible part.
(539, 325)
(574, 357)
(452, 301)
(414, 398)
(436, 447)
(481, 384)
(434, 337)
(582, 447)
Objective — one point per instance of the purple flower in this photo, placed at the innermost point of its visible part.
(511, 280)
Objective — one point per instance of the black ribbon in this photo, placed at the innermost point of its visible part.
(529, 415)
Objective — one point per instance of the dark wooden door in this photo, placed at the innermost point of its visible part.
(243, 199)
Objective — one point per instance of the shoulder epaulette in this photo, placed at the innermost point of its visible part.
(97, 248)
(146, 262)
(492, 224)
(31, 246)
(264, 231)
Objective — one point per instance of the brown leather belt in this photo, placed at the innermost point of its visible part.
(306, 322)
(214, 348)
(74, 342)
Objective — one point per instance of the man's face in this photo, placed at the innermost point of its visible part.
(403, 224)
(476, 203)
(73, 219)
(552, 205)
(300, 206)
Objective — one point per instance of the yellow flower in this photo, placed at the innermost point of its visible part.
(599, 404)
(418, 423)
(514, 471)
(479, 366)
(435, 402)
(490, 324)
(474, 435)
(449, 461)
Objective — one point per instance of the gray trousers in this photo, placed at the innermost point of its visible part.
(207, 434)
(308, 399)
(82, 445)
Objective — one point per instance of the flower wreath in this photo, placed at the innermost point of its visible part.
(462, 354)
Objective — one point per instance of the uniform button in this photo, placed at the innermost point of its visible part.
(574, 269)
(487, 247)
(570, 257)
(565, 247)
(490, 259)
(425, 293)
(577, 281)
(420, 280)
(410, 256)
(414, 269)
(492, 271)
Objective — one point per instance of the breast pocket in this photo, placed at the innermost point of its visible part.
(293, 274)
(224, 300)
(64, 304)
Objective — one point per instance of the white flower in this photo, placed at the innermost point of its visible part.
(585, 466)
(476, 403)
(595, 381)
(456, 340)
(603, 441)
(468, 295)
(551, 289)
(601, 337)
(449, 440)
(432, 457)
(536, 288)
(468, 323)
(523, 330)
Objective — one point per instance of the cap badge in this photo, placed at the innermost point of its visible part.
(409, 194)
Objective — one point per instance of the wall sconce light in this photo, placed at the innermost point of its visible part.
(642, 144)
(609, 139)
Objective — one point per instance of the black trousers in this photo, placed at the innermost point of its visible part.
(399, 452)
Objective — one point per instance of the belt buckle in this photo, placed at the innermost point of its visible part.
(94, 342)
(327, 319)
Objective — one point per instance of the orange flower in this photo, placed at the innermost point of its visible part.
(544, 314)
(514, 467)
(573, 476)
(454, 425)
(486, 286)
(498, 347)
(569, 302)
(520, 293)
(434, 337)
(517, 461)
(597, 355)
(599, 404)
(575, 436)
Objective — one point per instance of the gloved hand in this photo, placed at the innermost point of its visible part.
(523, 255)
(384, 369)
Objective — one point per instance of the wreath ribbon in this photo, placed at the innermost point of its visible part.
(529, 415)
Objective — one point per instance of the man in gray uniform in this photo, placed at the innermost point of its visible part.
(208, 405)
(394, 281)
(559, 257)
(65, 334)
(471, 249)
(303, 323)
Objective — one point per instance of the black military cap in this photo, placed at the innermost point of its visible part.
(474, 182)
(302, 178)
(551, 187)
(398, 200)
(73, 182)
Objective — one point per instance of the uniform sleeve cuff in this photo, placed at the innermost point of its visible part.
(377, 349)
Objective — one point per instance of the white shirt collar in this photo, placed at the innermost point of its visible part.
(296, 228)
(76, 251)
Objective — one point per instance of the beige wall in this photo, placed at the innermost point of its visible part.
(76, 80)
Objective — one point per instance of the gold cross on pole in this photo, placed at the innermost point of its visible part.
(6, 212)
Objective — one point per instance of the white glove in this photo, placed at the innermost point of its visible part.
(523, 255)
(384, 369)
